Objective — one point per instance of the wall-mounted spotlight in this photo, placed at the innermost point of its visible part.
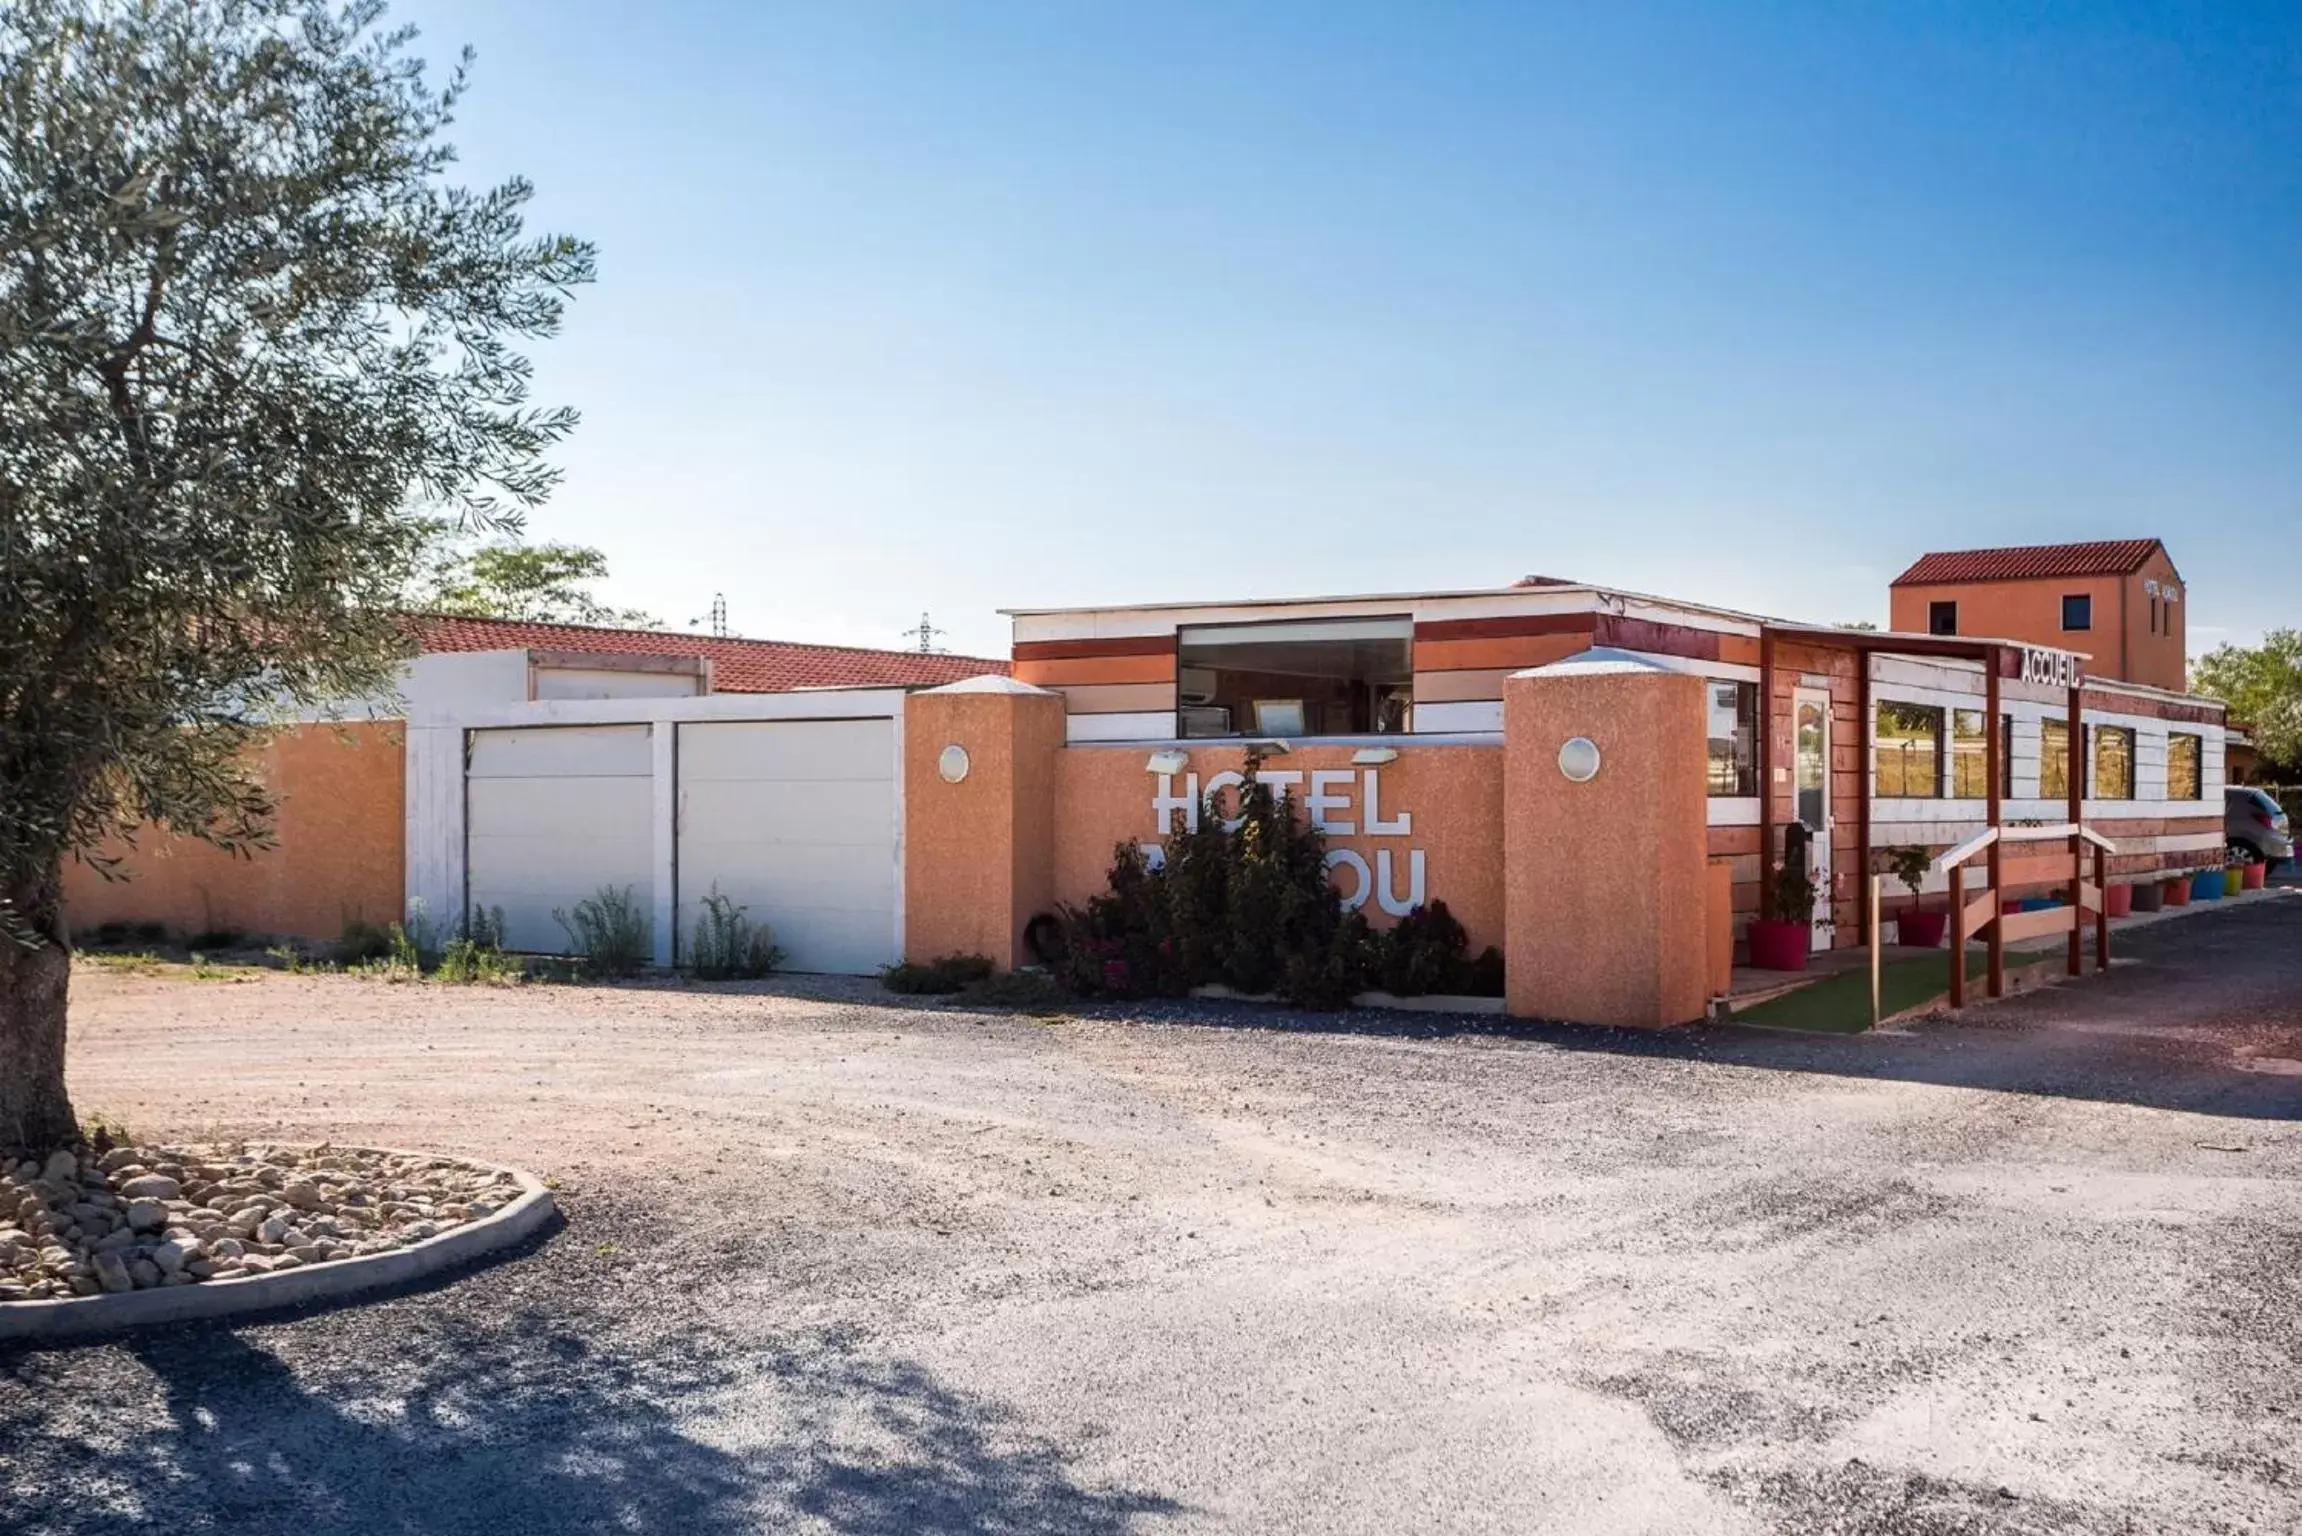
(1270, 748)
(1375, 757)
(1170, 760)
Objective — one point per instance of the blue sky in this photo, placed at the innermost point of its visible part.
(968, 305)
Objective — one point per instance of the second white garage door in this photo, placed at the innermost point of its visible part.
(796, 820)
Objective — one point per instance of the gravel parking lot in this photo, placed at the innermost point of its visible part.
(834, 1264)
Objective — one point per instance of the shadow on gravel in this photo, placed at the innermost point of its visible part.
(2168, 1031)
(527, 1428)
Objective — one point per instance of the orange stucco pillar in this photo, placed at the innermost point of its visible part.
(1604, 842)
(978, 816)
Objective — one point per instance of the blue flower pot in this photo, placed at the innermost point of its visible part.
(2206, 885)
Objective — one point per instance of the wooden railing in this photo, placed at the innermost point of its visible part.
(2007, 865)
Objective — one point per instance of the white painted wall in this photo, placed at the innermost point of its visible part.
(447, 682)
(613, 683)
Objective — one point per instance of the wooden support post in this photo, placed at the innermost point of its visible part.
(1994, 758)
(2078, 768)
(1958, 936)
(2101, 910)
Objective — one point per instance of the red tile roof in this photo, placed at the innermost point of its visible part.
(737, 666)
(2108, 557)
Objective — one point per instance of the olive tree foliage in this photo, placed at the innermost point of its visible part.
(538, 583)
(255, 349)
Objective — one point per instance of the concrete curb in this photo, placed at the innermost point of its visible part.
(79, 1316)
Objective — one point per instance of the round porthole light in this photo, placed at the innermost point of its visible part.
(952, 764)
(1579, 759)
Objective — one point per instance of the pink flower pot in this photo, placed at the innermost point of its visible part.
(2118, 900)
(1922, 930)
(2257, 875)
(1779, 946)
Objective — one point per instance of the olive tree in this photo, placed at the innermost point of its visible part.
(255, 347)
(2262, 684)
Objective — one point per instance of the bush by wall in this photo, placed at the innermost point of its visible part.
(726, 945)
(937, 978)
(1245, 900)
(609, 931)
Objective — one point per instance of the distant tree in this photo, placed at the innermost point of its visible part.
(2262, 684)
(542, 583)
(1858, 624)
(253, 350)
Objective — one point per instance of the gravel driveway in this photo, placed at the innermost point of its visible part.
(833, 1264)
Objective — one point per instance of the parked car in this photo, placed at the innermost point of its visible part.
(2255, 824)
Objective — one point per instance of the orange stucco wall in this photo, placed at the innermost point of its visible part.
(2121, 643)
(1607, 881)
(1451, 795)
(339, 853)
(978, 854)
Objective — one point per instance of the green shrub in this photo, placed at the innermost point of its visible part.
(361, 941)
(1908, 863)
(117, 934)
(1032, 991)
(726, 945)
(476, 957)
(485, 927)
(609, 931)
(296, 961)
(1483, 977)
(1245, 899)
(1422, 953)
(937, 978)
(467, 962)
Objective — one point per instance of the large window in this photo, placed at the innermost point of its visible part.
(2185, 771)
(2078, 611)
(2053, 760)
(1970, 756)
(2113, 762)
(1734, 738)
(1315, 677)
(1909, 751)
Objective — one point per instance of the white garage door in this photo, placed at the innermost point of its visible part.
(796, 821)
(552, 815)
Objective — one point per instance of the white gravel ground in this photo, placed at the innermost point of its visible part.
(833, 1264)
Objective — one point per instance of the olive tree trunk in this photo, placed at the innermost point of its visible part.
(35, 1111)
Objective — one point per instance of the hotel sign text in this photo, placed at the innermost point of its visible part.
(1341, 802)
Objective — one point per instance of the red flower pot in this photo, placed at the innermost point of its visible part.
(1779, 946)
(2257, 875)
(2118, 900)
(2178, 891)
(1921, 929)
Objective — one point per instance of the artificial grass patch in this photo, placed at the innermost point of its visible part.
(1840, 1004)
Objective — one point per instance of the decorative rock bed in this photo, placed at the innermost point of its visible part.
(81, 1230)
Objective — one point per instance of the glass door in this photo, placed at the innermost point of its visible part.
(1811, 708)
